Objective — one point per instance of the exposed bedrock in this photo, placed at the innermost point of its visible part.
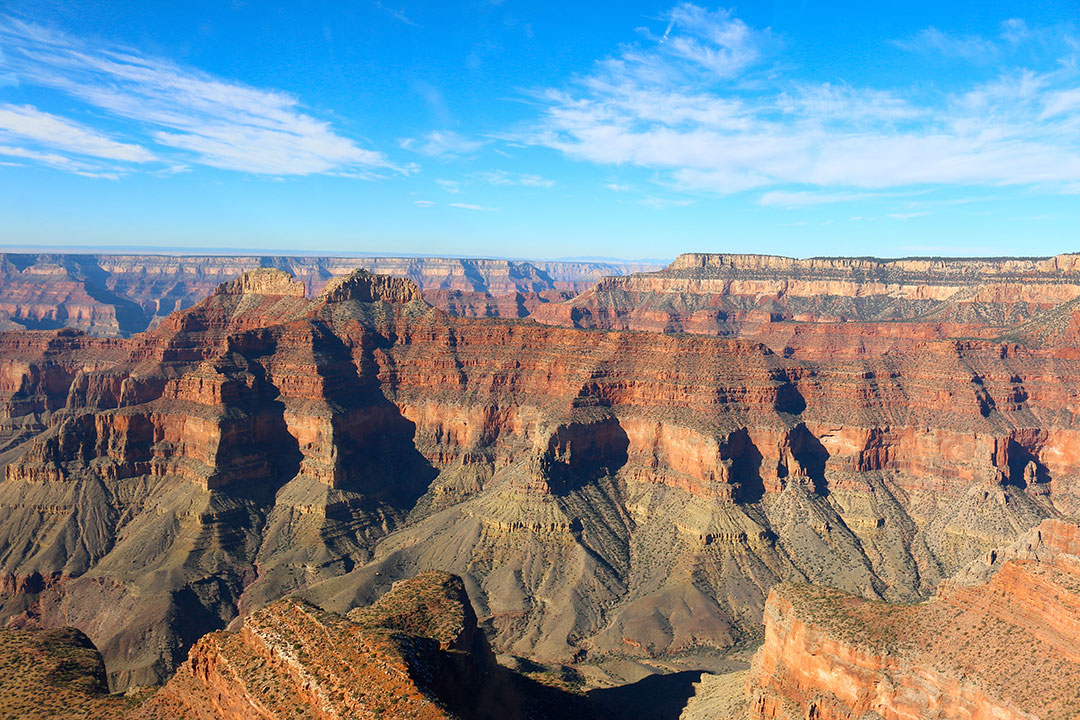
(1001, 645)
(600, 493)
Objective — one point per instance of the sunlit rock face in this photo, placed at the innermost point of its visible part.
(1000, 642)
(416, 653)
(760, 295)
(600, 493)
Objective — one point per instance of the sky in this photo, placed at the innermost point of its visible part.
(505, 128)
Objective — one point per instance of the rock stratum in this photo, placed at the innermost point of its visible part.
(601, 493)
(1003, 648)
(118, 295)
(761, 296)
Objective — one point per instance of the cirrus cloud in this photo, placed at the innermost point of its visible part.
(706, 107)
(186, 113)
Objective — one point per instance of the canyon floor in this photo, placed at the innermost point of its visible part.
(742, 466)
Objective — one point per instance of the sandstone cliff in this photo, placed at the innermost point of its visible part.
(757, 295)
(1002, 649)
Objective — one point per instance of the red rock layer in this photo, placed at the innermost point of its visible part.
(1004, 649)
(751, 295)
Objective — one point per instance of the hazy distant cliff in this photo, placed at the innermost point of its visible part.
(120, 294)
(716, 294)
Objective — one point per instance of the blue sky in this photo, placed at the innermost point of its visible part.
(514, 129)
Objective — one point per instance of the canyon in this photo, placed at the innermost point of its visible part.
(117, 295)
(654, 469)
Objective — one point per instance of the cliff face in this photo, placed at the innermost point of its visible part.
(750, 295)
(114, 295)
(1003, 649)
(601, 493)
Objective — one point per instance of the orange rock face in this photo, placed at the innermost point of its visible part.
(1005, 648)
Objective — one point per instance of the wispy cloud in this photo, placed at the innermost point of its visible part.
(707, 107)
(26, 122)
(663, 203)
(423, 203)
(502, 177)
(786, 198)
(971, 48)
(450, 186)
(60, 162)
(193, 116)
(468, 206)
(442, 144)
(398, 14)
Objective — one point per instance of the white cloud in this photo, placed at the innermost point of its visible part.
(28, 123)
(908, 215)
(697, 107)
(467, 206)
(208, 120)
(423, 203)
(789, 199)
(663, 203)
(60, 162)
(398, 14)
(450, 186)
(442, 144)
(713, 41)
(502, 177)
(963, 47)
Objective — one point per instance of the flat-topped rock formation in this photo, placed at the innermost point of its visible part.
(760, 296)
(1004, 648)
(115, 295)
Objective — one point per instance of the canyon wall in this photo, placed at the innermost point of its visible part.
(115, 295)
(1003, 647)
(602, 494)
(757, 295)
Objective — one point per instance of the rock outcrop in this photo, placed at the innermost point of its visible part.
(416, 653)
(1005, 648)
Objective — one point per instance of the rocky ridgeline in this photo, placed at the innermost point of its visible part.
(602, 494)
(762, 296)
(117, 295)
(416, 654)
(1004, 648)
